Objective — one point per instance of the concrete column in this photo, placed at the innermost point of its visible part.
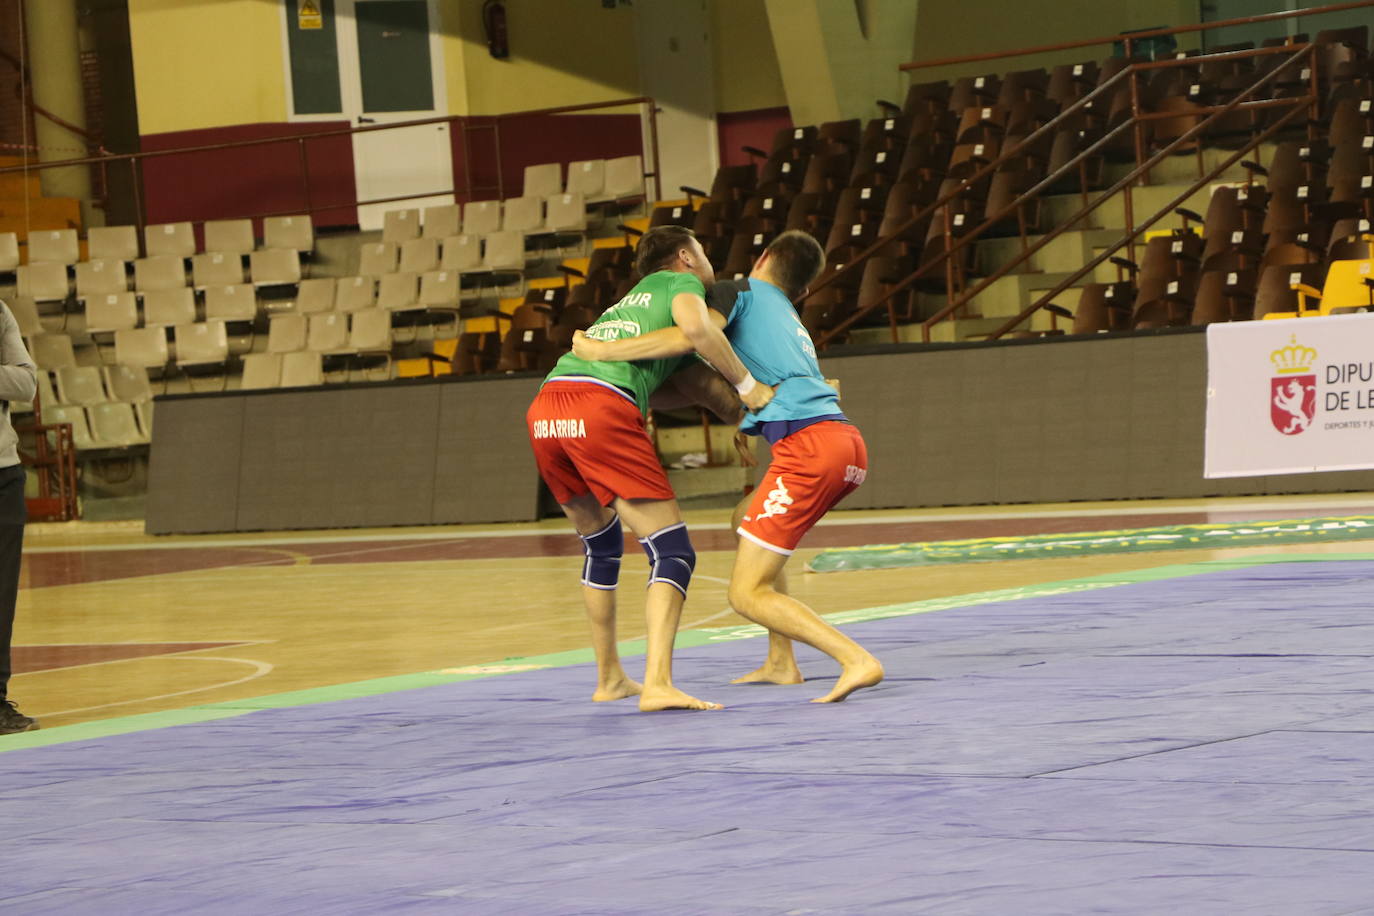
(54, 55)
(838, 57)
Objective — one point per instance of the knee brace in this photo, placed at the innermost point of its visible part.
(671, 557)
(601, 569)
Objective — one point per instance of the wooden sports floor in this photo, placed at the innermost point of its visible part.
(113, 623)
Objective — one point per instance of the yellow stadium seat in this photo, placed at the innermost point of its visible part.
(1349, 286)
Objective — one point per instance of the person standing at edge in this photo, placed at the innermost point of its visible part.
(818, 455)
(18, 382)
(587, 428)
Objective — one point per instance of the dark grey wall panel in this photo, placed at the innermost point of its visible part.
(484, 470)
(1111, 418)
(398, 454)
(193, 468)
(331, 459)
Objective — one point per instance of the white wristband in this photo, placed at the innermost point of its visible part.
(746, 386)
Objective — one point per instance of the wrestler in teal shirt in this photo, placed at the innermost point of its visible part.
(764, 329)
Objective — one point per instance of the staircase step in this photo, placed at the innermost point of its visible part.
(17, 186)
(38, 213)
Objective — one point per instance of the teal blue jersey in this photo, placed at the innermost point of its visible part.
(774, 346)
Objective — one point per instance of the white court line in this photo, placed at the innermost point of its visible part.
(262, 668)
(1124, 509)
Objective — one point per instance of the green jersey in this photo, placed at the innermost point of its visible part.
(647, 307)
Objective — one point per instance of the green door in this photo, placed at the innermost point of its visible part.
(393, 55)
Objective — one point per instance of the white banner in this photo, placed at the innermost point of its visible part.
(1290, 396)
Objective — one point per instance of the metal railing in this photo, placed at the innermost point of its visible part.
(53, 462)
(1137, 118)
(1133, 231)
(462, 123)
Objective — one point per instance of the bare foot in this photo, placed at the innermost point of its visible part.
(671, 698)
(770, 673)
(854, 677)
(617, 690)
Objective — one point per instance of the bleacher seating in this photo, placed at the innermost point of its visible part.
(1276, 237)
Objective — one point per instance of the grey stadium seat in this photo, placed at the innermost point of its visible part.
(128, 383)
(176, 240)
(328, 333)
(352, 294)
(202, 343)
(45, 281)
(377, 258)
(315, 295)
(115, 425)
(25, 311)
(229, 236)
(56, 246)
(523, 214)
(141, 347)
(542, 180)
(97, 278)
(76, 416)
(112, 243)
(216, 268)
(587, 178)
(9, 252)
(418, 256)
(481, 217)
(302, 369)
(442, 221)
(52, 351)
(111, 312)
(286, 333)
(261, 370)
(159, 272)
(82, 385)
(294, 233)
(624, 177)
(400, 225)
(274, 267)
(398, 292)
(164, 308)
(461, 252)
(238, 302)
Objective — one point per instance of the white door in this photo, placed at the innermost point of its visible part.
(391, 69)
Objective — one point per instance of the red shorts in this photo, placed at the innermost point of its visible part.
(591, 438)
(812, 470)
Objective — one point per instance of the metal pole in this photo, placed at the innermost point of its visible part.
(305, 177)
(653, 143)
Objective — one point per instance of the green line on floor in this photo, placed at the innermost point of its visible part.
(1044, 546)
(209, 712)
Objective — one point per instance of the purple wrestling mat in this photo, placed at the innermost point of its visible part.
(1201, 743)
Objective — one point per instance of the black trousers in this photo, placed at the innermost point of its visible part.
(13, 514)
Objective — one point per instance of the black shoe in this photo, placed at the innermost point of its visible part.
(13, 721)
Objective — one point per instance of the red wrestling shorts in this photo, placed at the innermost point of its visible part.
(589, 437)
(812, 470)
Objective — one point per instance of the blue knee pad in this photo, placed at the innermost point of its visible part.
(601, 569)
(671, 557)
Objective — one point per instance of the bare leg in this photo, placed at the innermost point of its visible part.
(753, 595)
(780, 667)
(589, 516)
(662, 611)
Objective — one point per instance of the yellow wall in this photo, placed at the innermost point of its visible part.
(746, 65)
(455, 51)
(563, 52)
(951, 28)
(207, 63)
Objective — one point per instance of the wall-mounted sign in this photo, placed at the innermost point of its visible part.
(308, 14)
